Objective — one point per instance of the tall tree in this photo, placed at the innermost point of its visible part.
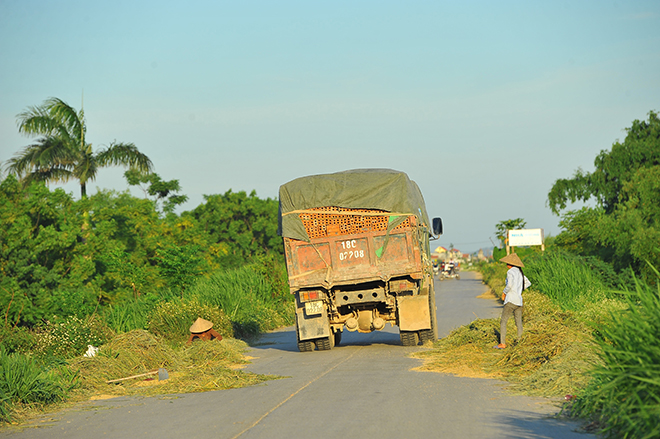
(624, 226)
(641, 149)
(61, 153)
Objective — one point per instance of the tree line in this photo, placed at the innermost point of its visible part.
(623, 227)
(62, 256)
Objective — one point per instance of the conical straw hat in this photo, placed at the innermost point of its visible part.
(201, 325)
(512, 259)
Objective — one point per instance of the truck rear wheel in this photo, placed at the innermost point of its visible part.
(409, 338)
(306, 346)
(325, 343)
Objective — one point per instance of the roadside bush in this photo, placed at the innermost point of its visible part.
(129, 315)
(566, 279)
(624, 396)
(494, 275)
(24, 381)
(69, 337)
(172, 320)
(250, 302)
(79, 302)
(16, 339)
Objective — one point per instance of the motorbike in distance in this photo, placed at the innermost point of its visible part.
(449, 270)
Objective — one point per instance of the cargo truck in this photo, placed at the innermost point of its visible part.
(358, 256)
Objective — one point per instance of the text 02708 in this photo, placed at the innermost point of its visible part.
(352, 252)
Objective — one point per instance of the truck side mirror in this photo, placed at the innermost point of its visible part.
(437, 226)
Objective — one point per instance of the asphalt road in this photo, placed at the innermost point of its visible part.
(365, 387)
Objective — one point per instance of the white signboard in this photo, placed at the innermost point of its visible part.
(525, 237)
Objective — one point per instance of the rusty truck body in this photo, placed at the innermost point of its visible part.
(358, 256)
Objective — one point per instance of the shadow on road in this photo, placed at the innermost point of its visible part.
(525, 424)
(285, 339)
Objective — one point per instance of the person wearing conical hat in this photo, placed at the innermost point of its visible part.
(516, 283)
(203, 330)
(200, 325)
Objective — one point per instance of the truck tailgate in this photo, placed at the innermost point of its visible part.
(356, 258)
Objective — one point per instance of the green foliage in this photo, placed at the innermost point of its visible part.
(247, 225)
(578, 234)
(24, 381)
(498, 253)
(632, 231)
(566, 279)
(16, 339)
(162, 191)
(39, 233)
(128, 315)
(180, 266)
(72, 258)
(247, 298)
(172, 320)
(624, 228)
(69, 337)
(126, 271)
(624, 396)
(641, 149)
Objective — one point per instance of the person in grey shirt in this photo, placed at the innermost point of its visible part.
(516, 283)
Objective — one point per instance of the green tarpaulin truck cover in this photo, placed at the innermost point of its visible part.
(382, 189)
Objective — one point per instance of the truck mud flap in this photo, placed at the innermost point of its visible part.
(414, 313)
(311, 327)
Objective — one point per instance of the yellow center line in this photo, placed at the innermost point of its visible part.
(295, 393)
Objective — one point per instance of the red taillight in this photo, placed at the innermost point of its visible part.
(306, 296)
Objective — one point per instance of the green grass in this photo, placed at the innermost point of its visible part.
(240, 302)
(247, 298)
(624, 397)
(602, 344)
(557, 351)
(26, 382)
(128, 315)
(254, 298)
(566, 279)
(172, 320)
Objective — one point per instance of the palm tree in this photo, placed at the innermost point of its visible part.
(61, 152)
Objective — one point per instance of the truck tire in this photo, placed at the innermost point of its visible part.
(306, 346)
(409, 338)
(426, 335)
(325, 343)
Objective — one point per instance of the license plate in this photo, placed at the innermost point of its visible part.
(312, 308)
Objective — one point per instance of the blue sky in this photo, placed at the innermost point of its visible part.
(484, 104)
